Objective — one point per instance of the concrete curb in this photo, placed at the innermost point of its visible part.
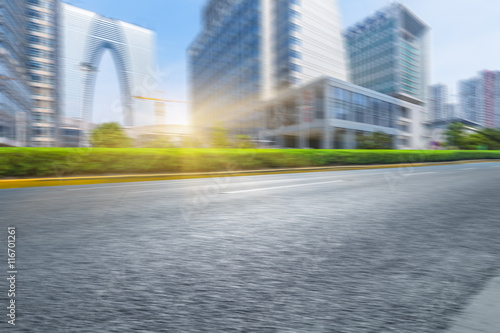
(88, 180)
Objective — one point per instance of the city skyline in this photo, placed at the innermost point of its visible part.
(452, 59)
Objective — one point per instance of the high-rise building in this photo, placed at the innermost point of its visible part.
(15, 96)
(85, 36)
(451, 111)
(438, 102)
(250, 50)
(480, 98)
(468, 91)
(42, 28)
(389, 52)
(497, 99)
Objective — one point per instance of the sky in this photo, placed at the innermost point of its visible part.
(465, 39)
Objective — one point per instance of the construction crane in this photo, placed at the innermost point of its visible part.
(159, 107)
(160, 100)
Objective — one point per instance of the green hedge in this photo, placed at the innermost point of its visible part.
(43, 162)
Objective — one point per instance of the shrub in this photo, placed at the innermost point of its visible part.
(41, 162)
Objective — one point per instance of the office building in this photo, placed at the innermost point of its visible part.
(15, 95)
(250, 50)
(479, 98)
(42, 20)
(85, 36)
(389, 52)
(332, 114)
(438, 102)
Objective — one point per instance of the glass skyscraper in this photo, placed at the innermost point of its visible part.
(15, 95)
(250, 50)
(388, 52)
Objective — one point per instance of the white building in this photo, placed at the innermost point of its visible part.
(438, 101)
(42, 19)
(479, 98)
(328, 113)
(85, 35)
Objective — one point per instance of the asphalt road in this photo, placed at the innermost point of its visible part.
(391, 250)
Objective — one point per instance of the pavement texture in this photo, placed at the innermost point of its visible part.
(388, 250)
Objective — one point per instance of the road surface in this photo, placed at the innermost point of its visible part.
(388, 250)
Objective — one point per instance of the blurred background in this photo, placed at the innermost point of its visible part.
(273, 73)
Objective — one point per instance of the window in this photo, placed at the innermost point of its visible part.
(33, 14)
(295, 41)
(295, 54)
(295, 27)
(294, 14)
(35, 65)
(403, 141)
(342, 94)
(296, 68)
(360, 99)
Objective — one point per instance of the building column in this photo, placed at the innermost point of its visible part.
(328, 135)
(303, 139)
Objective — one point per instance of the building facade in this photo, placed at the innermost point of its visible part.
(15, 95)
(42, 18)
(479, 99)
(438, 102)
(389, 52)
(469, 93)
(332, 114)
(451, 111)
(85, 36)
(249, 50)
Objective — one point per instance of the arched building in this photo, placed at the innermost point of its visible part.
(85, 36)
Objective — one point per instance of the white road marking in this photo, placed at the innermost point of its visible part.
(280, 187)
(206, 179)
(470, 168)
(421, 173)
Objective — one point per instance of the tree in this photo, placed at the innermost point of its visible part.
(156, 141)
(191, 141)
(490, 138)
(244, 142)
(109, 135)
(377, 140)
(456, 135)
(460, 136)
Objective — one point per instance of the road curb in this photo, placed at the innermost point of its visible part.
(89, 180)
